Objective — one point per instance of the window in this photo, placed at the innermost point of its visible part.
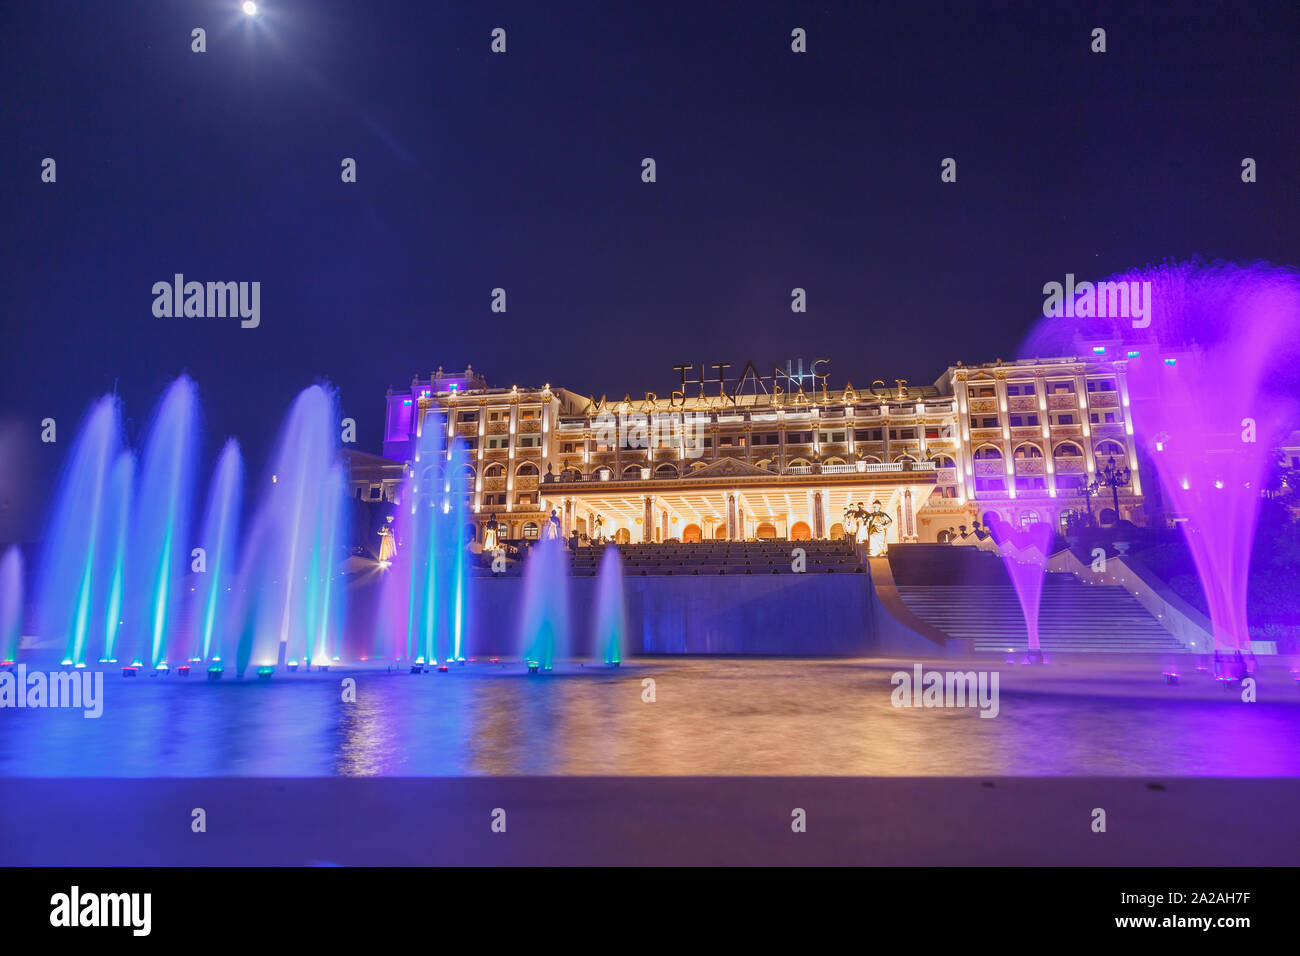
(495, 500)
(497, 442)
(1021, 388)
(1023, 421)
(902, 434)
(1061, 388)
(1067, 419)
(529, 414)
(1101, 385)
(987, 453)
(1028, 517)
(466, 417)
(529, 441)
(1030, 483)
(530, 531)
(988, 422)
(1098, 418)
(868, 434)
(981, 391)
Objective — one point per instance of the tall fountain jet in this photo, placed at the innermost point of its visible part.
(1212, 372)
(76, 573)
(11, 603)
(220, 542)
(544, 621)
(160, 548)
(289, 607)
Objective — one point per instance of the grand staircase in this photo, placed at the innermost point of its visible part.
(966, 593)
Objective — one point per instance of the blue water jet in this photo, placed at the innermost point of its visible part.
(610, 614)
(220, 539)
(11, 603)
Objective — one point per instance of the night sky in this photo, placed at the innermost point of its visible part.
(523, 170)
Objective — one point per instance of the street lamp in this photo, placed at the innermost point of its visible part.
(1113, 477)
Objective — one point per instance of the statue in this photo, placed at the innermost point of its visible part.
(600, 529)
(877, 521)
(860, 522)
(850, 522)
(387, 542)
(549, 476)
(491, 534)
(552, 531)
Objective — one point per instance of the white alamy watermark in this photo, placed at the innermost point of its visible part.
(946, 689)
(74, 908)
(1101, 300)
(79, 688)
(208, 300)
(682, 432)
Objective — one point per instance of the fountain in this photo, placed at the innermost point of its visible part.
(544, 620)
(610, 615)
(75, 568)
(159, 551)
(291, 606)
(1212, 375)
(118, 555)
(1025, 553)
(11, 604)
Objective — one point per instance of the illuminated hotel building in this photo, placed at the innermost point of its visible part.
(780, 455)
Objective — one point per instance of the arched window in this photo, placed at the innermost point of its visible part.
(602, 473)
(1028, 450)
(526, 470)
(765, 530)
(1028, 517)
(494, 470)
(943, 461)
(833, 461)
(799, 531)
(530, 530)
(1107, 449)
(692, 533)
(632, 472)
(1067, 449)
(666, 470)
(988, 453)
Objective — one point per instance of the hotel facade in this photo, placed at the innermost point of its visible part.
(776, 453)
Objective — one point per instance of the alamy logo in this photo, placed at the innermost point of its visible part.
(1101, 300)
(102, 909)
(79, 688)
(682, 432)
(946, 689)
(208, 300)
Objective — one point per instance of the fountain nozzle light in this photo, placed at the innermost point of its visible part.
(534, 667)
(1171, 677)
(130, 670)
(265, 671)
(417, 668)
(215, 672)
(183, 670)
(442, 668)
(293, 667)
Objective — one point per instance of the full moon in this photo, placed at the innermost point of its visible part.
(250, 8)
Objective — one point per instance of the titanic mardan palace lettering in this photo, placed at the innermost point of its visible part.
(780, 454)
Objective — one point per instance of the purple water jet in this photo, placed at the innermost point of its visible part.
(1212, 385)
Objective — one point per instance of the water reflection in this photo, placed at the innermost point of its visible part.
(711, 717)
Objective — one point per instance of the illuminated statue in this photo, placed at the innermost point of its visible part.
(552, 531)
(860, 522)
(491, 534)
(851, 522)
(387, 543)
(600, 529)
(876, 523)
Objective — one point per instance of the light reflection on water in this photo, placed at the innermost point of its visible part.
(711, 717)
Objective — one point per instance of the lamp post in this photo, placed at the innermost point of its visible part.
(1113, 477)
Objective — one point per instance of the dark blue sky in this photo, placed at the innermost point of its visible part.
(775, 170)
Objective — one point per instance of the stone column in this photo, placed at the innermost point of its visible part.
(818, 516)
(648, 520)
